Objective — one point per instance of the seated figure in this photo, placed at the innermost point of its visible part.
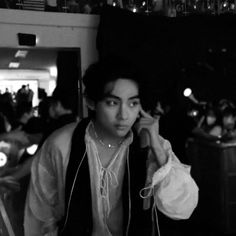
(228, 124)
(209, 125)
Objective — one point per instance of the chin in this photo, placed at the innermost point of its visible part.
(121, 133)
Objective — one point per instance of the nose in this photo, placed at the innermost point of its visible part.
(123, 113)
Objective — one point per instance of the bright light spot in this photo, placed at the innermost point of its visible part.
(52, 86)
(3, 159)
(14, 65)
(21, 53)
(134, 9)
(37, 40)
(193, 113)
(53, 71)
(187, 92)
(113, 4)
(32, 149)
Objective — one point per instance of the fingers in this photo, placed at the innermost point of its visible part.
(147, 123)
(144, 113)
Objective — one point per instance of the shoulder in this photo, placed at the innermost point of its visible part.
(59, 142)
(62, 135)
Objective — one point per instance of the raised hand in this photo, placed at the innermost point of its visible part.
(148, 128)
(147, 123)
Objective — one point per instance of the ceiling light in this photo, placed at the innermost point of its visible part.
(21, 53)
(14, 65)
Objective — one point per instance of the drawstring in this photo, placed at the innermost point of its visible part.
(155, 217)
(146, 193)
(129, 194)
(107, 176)
(72, 189)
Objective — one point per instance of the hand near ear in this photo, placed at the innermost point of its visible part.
(149, 127)
(147, 123)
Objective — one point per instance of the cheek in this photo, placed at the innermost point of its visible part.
(105, 114)
(135, 114)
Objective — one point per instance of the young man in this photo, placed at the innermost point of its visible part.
(92, 178)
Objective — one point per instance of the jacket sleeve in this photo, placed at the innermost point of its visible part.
(174, 190)
(42, 208)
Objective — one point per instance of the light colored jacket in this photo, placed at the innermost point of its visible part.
(175, 192)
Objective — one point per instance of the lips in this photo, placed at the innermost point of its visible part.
(121, 127)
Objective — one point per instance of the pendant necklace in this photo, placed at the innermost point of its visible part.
(110, 146)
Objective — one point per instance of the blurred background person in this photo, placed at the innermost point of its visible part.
(209, 125)
(228, 119)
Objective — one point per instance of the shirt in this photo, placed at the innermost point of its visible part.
(174, 191)
(106, 187)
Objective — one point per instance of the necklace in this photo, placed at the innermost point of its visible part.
(110, 146)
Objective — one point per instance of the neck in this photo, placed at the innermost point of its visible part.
(105, 140)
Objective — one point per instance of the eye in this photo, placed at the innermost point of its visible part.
(134, 103)
(111, 102)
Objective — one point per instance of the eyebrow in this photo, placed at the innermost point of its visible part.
(116, 97)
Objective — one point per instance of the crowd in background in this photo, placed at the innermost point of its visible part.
(22, 123)
(23, 129)
(217, 121)
(16, 107)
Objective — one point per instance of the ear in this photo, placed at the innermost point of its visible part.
(90, 103)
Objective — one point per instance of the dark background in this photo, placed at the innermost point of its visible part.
(192, 51)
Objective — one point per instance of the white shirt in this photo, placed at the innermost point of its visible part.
(174, 191)
(106, 188)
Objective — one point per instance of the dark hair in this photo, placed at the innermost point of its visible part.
(228, 111)
(34, 125)
(227, 107)
(22, 108)
(99, 74)
(66, 99)
(43, 107)
(3, 121)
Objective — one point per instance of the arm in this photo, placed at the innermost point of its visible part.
(41, 209)
(174, 190)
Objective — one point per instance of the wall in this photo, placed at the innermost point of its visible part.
(52, 30)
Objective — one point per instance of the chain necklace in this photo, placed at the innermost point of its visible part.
(110, 146)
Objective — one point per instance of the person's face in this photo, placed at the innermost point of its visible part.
(53, 110)
(229, 122)
(211, 119)
(119, 109)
